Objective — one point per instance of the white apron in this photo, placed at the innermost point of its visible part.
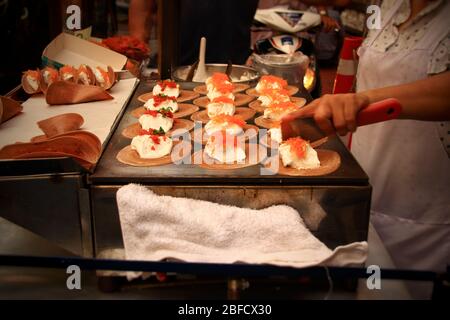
(408, 166)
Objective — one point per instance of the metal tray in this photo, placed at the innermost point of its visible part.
(60, 165)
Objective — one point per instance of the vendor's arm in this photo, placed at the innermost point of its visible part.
(427, 99)
(139, 17)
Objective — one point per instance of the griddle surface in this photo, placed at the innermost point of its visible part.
(111, 172)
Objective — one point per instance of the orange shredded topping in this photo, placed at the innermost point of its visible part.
(219, 77)
(273, 79)
(222, 83)
(67, 69)
(158, 100)
(221, 118)
(224, 87)
(297, 146)
(154, 113)
(53, 74)
(283, 106)
(223, 99)
(32, 73)
(167, 84)
(274, 92)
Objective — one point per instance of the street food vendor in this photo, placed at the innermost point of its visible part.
(225, 24)
(407, 160)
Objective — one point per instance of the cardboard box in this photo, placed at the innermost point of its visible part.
(67, 49)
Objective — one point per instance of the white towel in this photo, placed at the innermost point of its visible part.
(162, 227)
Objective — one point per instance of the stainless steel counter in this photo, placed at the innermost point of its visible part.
(35, 283)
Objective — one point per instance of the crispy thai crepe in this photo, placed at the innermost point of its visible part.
(8, 109)
(62, 139)
(80, 145)
(297, 157)
(167, 87)
(219, 85)
(230, 124)
(61, 124)
(63, 92)
(225, 148)
(31, 81)
(269, 96)
(68, 73)
(298, 154)
(221, 105)
(151, 146)
(105, 78)
(40, 80)
(85, 75)
(48, 76)
(161, 102)
(270, 82)
(276, 111)
(157, 120)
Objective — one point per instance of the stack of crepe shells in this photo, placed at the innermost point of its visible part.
(62, 138)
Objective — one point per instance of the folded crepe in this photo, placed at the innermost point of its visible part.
(64, 92)
(84, 147)
(60, 124)
(9, 108)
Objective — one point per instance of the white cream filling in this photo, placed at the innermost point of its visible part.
(150, 105)
(267, 100)
(290, 159)
(148, 122)
(209, 87)
(215, 94)
(99, 76)
(225, 154)
(170, 92)
(67, 76)
(230, 128)
(217, 108)
(33, 83)
(210, 84)
(275, 134)
(47, 76)
(84, 78)
(263, 85)
(144, 144)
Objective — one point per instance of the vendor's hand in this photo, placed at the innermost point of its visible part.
(329, 24)
(333, 113)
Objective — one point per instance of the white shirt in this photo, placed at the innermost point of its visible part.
(392, 39)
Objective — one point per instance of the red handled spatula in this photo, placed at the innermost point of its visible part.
(307, 128)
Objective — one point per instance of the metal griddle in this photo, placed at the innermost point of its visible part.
(334, 207)
(110, 172)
